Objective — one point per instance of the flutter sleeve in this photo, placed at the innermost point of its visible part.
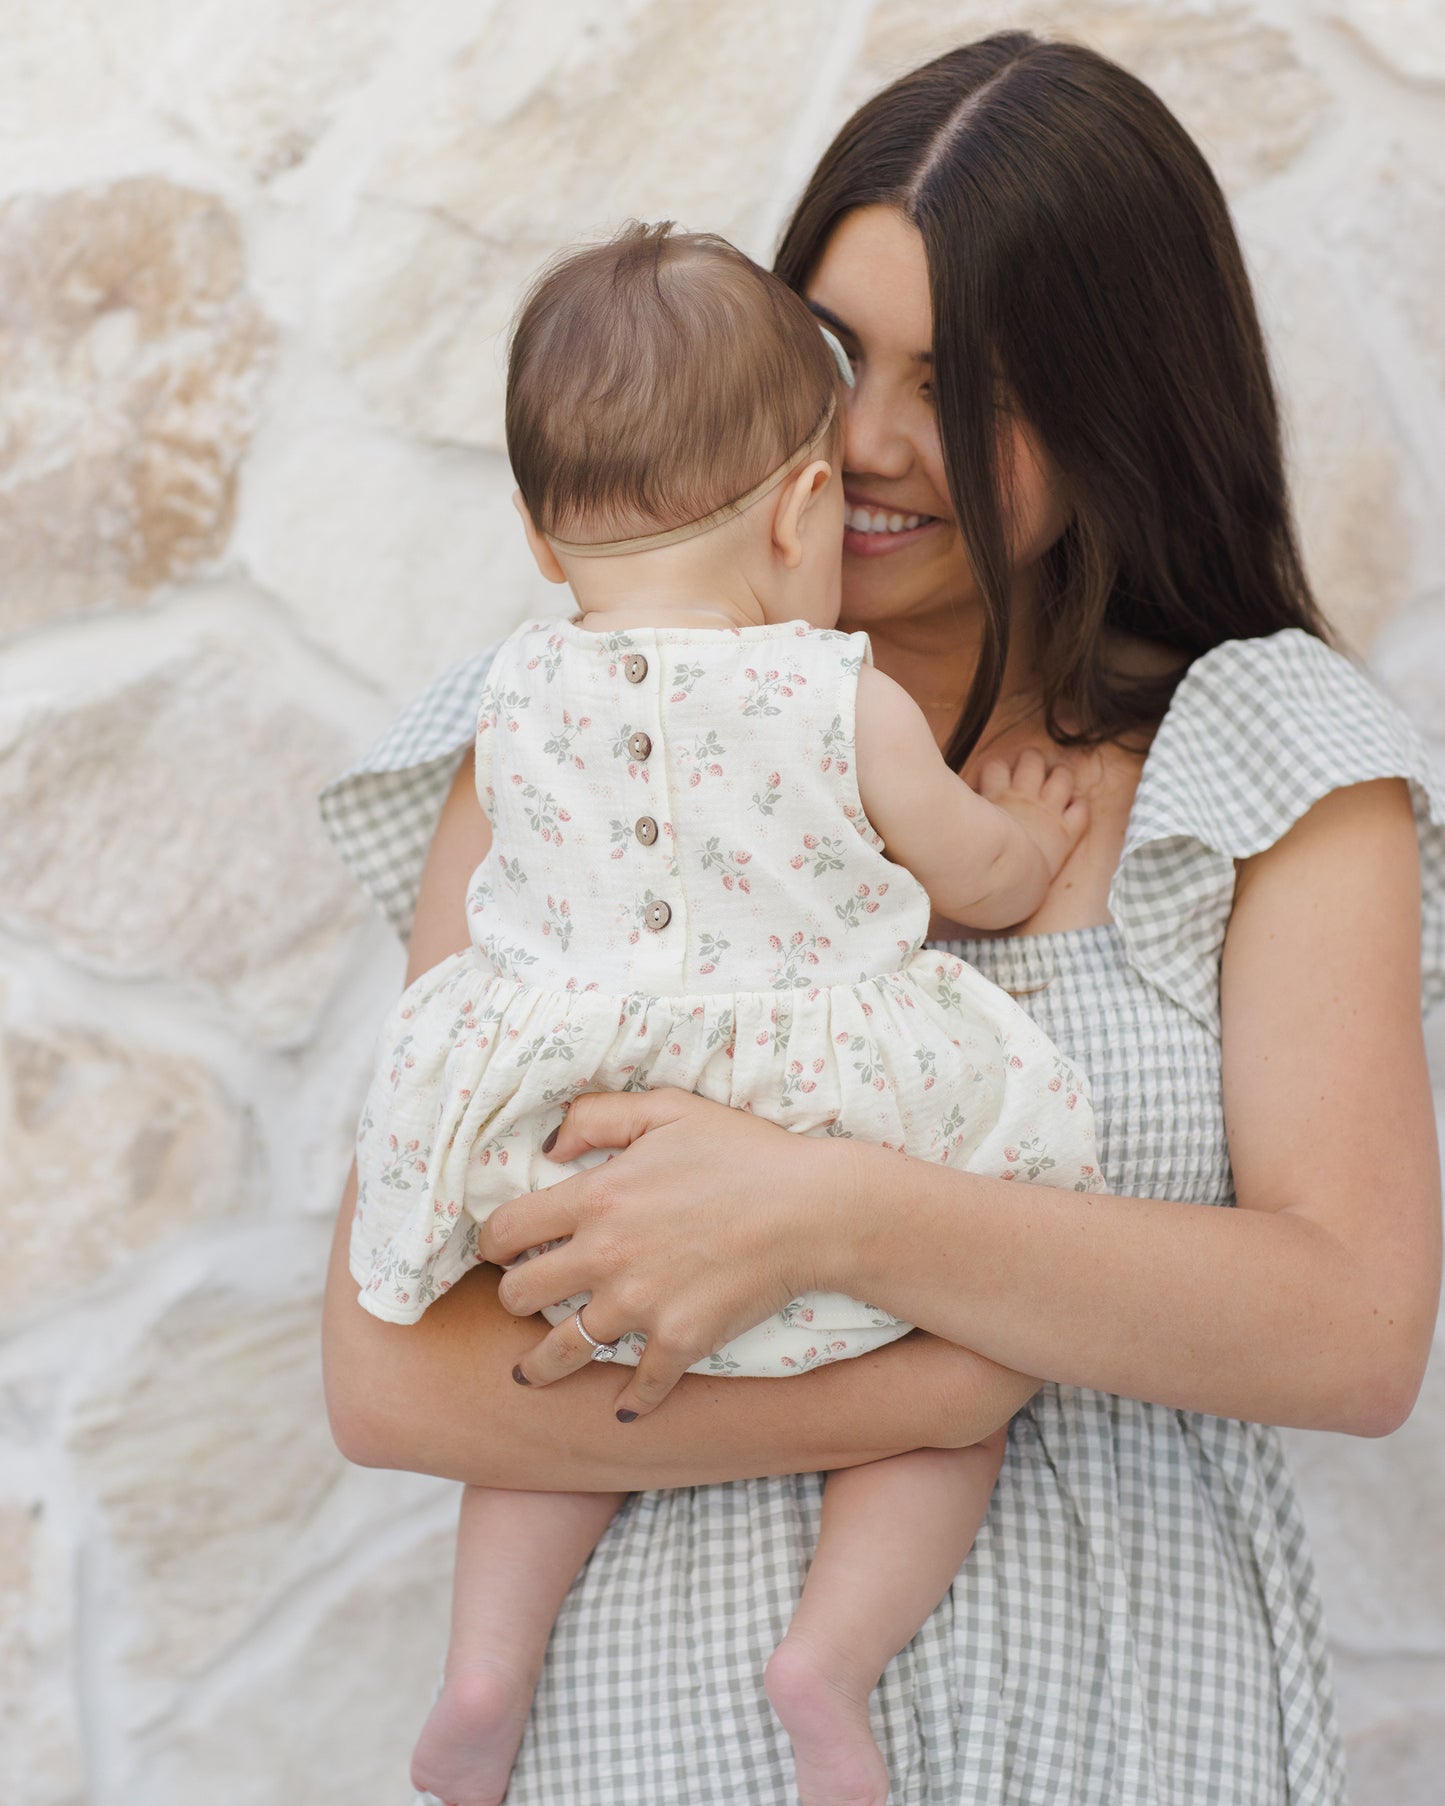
(383, 811)
(1258, 731)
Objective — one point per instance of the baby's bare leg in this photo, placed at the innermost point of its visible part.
(517, 1555)
(894, 1534)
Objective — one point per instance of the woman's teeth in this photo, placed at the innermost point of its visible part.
(874, 520)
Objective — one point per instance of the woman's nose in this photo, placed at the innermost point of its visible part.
(873, 440)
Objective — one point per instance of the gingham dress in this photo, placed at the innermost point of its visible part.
(1137, 1624)
(684, 889)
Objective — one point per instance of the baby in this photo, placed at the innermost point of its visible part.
(717, 834)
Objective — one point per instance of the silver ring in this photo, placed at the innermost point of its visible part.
(601, 1351)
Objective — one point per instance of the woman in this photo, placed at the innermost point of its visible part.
(1060, 375)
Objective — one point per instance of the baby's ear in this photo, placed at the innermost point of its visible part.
(794, 500)
(545, 558)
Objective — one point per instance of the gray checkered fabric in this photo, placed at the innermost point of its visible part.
(1137, 1624)
(383, 811)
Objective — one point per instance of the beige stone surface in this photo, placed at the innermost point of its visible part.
(1397, 230)
(1361, 516)
(262, 83)
(112, 1149)
(132, 365)
(1374, 1507)
(397, 559)
(1239, 84)
(1400, 1763)
(534, 137)
(168, 827)
(40, 1753)
(367, 1672)
(71, 65)
(1407, 36)
(206, 1452)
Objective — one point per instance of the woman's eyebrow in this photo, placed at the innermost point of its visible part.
(845, 331)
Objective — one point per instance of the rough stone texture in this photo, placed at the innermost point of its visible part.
(1399, 1762)
(263, 83)
(167, 827)
(398, 560)
(132, 363)
(1239, 85)
(207, 1453)
(370, 1665)
(40, 1757)
(1407, 36)
(111, 1149)
(1360, 513)
(1396, 231)
(1366, 1502)
(70, 65)
(535, 136)
(210, 1607)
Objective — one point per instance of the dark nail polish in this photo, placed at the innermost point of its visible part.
(551, 1141)
(626, 1417)
(520, 1377)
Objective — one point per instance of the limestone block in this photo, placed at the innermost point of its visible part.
(1376, 1515)
(111, 1148)
(336, 1717)
(70, 65)
(1408, 657)
(1399, 1764)
(1407, 36)
(545, 129)
(207, 1453)
(132, 363)
(1365, 527)
(398, 559)
(40, 1755)
(262, 82)
(1396, 237)
(167, 828)
(1237, 83)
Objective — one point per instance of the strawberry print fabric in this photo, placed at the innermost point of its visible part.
(683, 889)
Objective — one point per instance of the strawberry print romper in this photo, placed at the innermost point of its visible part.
(683, 889)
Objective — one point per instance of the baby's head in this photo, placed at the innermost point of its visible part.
(664, 388)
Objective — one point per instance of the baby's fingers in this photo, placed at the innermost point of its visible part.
(1058, 786)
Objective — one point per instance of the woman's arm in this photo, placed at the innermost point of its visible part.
(438, 1397)
(1313, 1303)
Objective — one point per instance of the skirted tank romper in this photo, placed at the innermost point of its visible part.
(1137, 1624)
(683, 889)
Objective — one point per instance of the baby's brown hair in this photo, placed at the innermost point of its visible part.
(656, 378)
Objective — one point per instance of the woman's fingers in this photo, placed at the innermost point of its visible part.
(541, 1216)
(657, 1373)
(563, 1352)
(614, 1119)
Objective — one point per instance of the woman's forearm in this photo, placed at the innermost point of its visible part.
(1258, 1314)
(438, 1397)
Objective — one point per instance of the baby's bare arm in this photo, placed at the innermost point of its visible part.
(985, 860)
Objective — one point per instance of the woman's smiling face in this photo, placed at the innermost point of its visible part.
(902, 554)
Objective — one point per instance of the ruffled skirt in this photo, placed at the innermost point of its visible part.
(474, 1072)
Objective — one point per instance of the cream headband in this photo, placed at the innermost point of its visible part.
(671, 536)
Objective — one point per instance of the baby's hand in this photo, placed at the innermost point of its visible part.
(1042, 799)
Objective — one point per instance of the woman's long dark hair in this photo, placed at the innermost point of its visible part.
(1084, 271)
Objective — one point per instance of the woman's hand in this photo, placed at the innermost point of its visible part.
(710, 1222)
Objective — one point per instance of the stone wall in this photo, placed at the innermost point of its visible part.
(253, 261)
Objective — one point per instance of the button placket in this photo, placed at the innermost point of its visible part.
(658, 915)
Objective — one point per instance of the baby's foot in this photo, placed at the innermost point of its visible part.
(824, 1710)
(469, 1742)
